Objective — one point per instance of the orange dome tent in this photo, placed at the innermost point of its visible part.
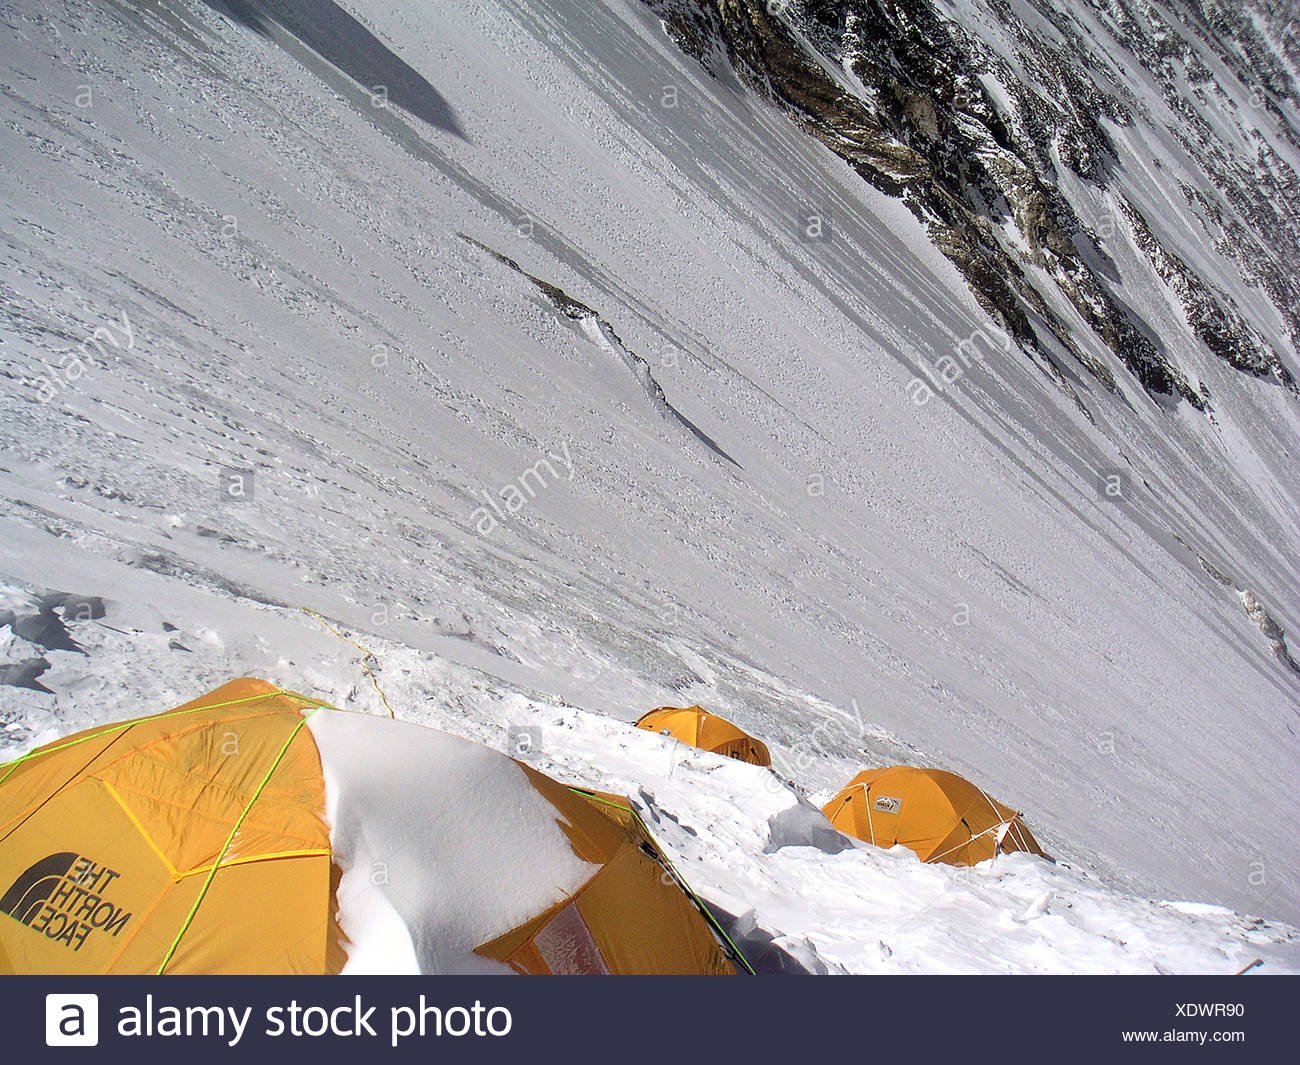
(111, 842)
(196, 841)
(693, 725)
(941, 816)
(631, 917)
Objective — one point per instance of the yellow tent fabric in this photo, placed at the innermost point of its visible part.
(941, 816)
(632, 917)
(193, 841)
(694, 725)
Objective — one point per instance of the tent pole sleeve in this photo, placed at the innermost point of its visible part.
(234, 831)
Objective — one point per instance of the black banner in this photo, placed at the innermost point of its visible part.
(642, 1019)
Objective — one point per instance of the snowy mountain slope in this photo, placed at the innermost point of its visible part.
(796, 895)
(1013, 131)
(273, 254)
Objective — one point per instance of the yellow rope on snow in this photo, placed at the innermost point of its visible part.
(365, 656)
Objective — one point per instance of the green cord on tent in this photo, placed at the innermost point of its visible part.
(11, 766)
(207, 883)
(664, 860)
(317, 705)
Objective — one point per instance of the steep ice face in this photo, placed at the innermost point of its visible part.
(924, 547)
(1008, 129)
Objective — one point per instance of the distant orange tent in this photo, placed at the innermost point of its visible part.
(694, 725)
(941, 816)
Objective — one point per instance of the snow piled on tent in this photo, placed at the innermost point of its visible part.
(431, 869)
(449, 836)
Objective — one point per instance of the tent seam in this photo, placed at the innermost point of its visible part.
(203, 891)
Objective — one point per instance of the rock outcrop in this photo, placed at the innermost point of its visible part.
(974, 140)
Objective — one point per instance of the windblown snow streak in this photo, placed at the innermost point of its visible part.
(602, 334)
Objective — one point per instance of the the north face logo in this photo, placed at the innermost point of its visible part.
(63, 897)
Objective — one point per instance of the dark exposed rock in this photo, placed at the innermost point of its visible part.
(40, 625)
(43, 624)
(914, 116)
(1215, 321)
(23, 674)
(1273, 632)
